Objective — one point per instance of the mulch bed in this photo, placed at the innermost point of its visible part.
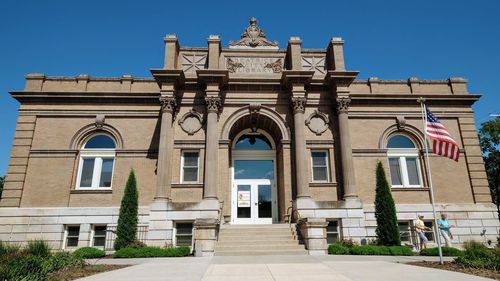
(73, 273)
(451, 266)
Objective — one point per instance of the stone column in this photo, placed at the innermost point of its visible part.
(301, 166)
(345, 148)
(205, 237)
(313, 231)
(213, 106)
(164, 167)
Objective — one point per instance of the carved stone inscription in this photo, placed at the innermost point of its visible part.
(254, 65)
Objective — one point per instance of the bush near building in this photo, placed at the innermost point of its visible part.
(89, 253)
(342, 248)
(35, 262)
(447, 252)
(477, 255)
(385, 211)
(126, 231)
(152, 252)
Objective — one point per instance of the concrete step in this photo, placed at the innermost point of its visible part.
(255, 232)
(246, 237)
(260, 242)
(250, 248)
(260, 252)
(241, 226)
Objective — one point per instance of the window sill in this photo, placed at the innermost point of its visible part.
(187, 185)
(402, 188)
(91, 191)
(322, 184)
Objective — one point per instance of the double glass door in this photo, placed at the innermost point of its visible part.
(253, 201)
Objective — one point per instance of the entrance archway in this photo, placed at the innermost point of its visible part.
(253, 169)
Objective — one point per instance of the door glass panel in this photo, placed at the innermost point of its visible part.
(253, 169)
(244, 200)
(265, 201)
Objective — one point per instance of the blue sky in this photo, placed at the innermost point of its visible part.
(385, 39)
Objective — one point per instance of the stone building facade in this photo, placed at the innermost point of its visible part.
(248, 134)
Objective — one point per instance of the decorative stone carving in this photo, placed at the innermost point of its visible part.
(316, 64)
(213, 104)
(254, 64)
(99, 121)
(276, 66)
(343, 104)
(318, 122)
(254, 116)
(168, 104)
(299, 104)
(233, 66)
(401, 122)
(193, 62)
(191, 122)
(253, 37)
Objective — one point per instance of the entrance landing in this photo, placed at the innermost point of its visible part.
(251, 240)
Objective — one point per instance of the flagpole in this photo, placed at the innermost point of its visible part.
(431, 189)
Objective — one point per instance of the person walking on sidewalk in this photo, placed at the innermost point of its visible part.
(421, 229)
(444, 229)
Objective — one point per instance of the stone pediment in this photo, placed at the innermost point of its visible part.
(253, 38)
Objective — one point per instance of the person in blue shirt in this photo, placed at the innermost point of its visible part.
(444, 229)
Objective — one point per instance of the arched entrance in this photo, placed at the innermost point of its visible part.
(253, 181)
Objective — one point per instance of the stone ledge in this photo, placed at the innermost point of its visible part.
(91, 191)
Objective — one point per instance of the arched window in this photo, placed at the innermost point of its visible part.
(253, 142)
(403, 162)
(97, 158)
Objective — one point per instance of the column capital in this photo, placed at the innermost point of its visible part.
(299, 104)
(343, 105)
(168, 104)
(214, 104)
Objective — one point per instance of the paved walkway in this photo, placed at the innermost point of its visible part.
(310, 268)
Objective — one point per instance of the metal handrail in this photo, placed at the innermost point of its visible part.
(290, 212)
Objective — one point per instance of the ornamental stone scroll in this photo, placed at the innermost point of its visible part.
(191, 122)
(318, 122)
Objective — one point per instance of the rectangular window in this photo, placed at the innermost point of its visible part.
(95, 172)
(332, 232)
(395, 171)
(72, 233)
(99, 239)
(319, 166)
(190, 164)
(184, 234)
(405, 231)
(412, 166)
(87, 172)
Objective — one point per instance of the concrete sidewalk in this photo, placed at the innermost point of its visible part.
(242, 268)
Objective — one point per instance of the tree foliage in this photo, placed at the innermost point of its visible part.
(2, 179)
(126, 231)
(385, 211)
(489, 139)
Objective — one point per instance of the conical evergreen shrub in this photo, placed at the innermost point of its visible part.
(385, 211)
(126, 231)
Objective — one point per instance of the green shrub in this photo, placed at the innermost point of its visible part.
(150, 252)
(385, 211)
(8, 248)
(89, 253)
(24, 267)
(126, 230)
(447, 252)
(477, 255)
(38, 248)
(400, 251)
(61, 260)
(371, 250)
(338, 249)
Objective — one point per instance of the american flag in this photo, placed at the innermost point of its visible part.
(442, 142)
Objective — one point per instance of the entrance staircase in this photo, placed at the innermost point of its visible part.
(269, 239)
